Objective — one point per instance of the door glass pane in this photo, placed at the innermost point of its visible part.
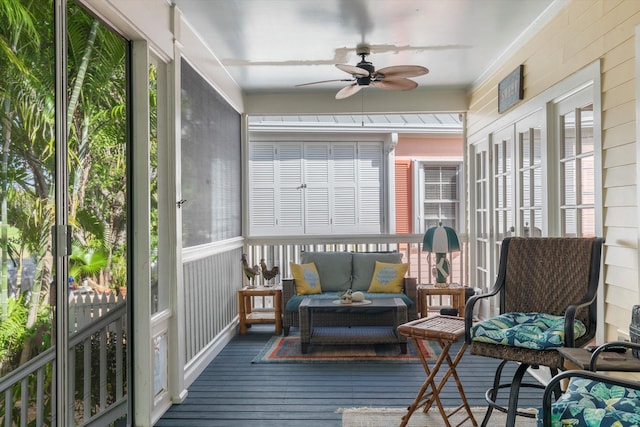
(586, 129)
(153, 184)
(99, 216)
(503, 182)
(588, 222)
(569, 180)
(27, 211)
(568, 135)
(481, 272)
(530, 181)
(587, 190)
(578, 174)
(570, 222)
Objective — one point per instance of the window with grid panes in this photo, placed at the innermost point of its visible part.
(441, 201)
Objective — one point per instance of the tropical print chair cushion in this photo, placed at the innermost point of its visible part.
(589, 403)
(536, 331)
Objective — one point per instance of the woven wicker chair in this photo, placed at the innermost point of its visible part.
(554, 276)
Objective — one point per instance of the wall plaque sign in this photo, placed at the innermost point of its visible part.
(511, 89)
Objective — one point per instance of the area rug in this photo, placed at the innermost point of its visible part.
(287, 350)
(385, 417)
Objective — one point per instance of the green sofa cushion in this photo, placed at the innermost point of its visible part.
(365, 263)
(334, 269)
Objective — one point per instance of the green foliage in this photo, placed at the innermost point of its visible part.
(85, 262)
(14, 333)
(90, 223)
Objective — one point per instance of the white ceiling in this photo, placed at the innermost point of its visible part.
(272, 45)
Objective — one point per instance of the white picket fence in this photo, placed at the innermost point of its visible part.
(86, 308)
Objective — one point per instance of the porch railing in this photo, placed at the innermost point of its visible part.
(97, 375)
(281, 250)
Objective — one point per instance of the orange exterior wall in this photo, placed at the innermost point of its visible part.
(423, 148)
(403, 196)
(428, 147)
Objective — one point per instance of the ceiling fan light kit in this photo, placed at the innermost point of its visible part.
(364, 74)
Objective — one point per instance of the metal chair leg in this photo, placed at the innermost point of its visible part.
(492, 393)
(513, 394)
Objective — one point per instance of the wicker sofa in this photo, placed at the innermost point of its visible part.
(338, 272)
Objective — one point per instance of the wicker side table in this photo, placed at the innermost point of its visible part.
(445, 330)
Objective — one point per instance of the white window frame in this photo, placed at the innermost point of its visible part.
(419, 192)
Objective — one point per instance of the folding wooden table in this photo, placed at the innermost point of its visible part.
(445, 330)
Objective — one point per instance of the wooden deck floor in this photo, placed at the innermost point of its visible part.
(234, 392)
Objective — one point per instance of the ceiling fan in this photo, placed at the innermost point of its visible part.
(364, 74)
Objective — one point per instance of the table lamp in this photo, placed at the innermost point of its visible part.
(441, 240)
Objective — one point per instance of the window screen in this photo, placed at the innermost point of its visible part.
(211, 168)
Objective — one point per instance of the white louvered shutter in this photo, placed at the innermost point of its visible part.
(316, 179)
(275, 192)
(262, 188)
(370, 191)
(291, 192)
(344, 184)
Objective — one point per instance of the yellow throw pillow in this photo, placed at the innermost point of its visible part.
(306, 278)
(388, 278)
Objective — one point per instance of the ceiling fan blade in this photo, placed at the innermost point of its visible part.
(353, 70)
(401, 71)
(395, 84)
(324, 81)
(347, 91)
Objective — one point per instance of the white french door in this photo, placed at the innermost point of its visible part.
(480, 247)
(503, 205)
(507, 171)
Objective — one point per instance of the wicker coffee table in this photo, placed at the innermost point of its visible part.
(325, 322)
(445, 330)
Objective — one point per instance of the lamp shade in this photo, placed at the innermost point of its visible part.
(440, 239)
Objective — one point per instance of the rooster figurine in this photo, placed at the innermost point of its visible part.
(266, 273)
(250, 272)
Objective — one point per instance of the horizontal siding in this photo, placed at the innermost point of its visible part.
(621, 196)
(618, 115)
(622, 217)
(619, 318)
(581, 33)
(621, 155)
(621, 236)
(617, 296)
(621, 256)
(618, 277)
(619, 135)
